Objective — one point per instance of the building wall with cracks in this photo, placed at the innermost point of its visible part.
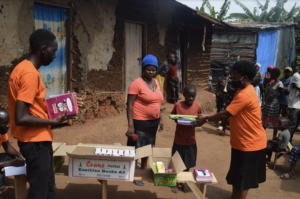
(98, 45)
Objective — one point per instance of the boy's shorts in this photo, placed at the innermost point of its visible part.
(188, 154)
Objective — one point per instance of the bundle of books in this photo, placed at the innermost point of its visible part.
(203, 175)
(186, 121)
(176, 117)
(57, 103)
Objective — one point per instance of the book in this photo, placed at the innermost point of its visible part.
(186, 121)
(203, 175)
(74, 98)
(57, 104)
(175, 117)
(14, 171)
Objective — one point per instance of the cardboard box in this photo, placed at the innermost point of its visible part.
(57, 161)
(84, 163)
(175, 162)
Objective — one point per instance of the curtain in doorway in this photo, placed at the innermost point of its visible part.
(54, 75)
(179, 74)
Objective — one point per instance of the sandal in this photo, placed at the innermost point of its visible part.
(222, 133)
(287, 176)
(138, 183)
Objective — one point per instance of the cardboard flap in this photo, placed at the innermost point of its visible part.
(55, 145)
(162, 152)
(150, 162)
(178, 163)
(142, 152)
(63, 150)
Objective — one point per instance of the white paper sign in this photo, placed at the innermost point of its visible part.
(101, 169)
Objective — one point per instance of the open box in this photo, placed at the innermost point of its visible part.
(83, 163)
(57, 161)
(175, 162)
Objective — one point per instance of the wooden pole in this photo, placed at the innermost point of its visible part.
(104, 189)
(20, 187)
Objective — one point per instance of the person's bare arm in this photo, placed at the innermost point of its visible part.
(22, 117)
(12, 152)
(280, 92)
(221, 116)
(130, 101)
(161, 123)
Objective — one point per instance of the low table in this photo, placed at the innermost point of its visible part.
(143, 175)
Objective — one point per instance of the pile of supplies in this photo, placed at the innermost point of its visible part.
(161, 168)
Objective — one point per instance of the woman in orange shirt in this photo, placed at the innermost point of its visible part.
(143, 108)
(248, 138)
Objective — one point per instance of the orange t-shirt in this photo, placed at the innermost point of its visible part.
(246, 130)
(172, 71)
(3, 138)
(147, 103)
(25, 84)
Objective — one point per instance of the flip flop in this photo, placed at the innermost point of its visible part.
(222, 133)
(138, 183)
(287, 176)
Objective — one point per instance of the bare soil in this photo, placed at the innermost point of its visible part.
(214, 153)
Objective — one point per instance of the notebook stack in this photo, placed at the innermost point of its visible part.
(203, 175)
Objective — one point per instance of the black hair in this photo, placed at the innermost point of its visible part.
(285, 120)
(189, 87)
(276, 71)
(2, 110)
(169, 55)
(245, 68)
(39, 38)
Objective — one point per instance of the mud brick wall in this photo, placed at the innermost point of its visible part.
(98, 45)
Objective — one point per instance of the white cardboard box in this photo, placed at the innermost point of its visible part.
(83, 163)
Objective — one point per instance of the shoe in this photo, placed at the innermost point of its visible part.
(220, 128)
(2, 187)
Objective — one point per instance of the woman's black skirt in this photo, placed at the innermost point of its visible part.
(146, 130)
(247, 169)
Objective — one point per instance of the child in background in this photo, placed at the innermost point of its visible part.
(279, 143)
(209, 86)
(255, 83)
(185, 141)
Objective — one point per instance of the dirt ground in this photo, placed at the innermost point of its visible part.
(214, 153)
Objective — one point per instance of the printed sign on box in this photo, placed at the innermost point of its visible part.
(101, 169)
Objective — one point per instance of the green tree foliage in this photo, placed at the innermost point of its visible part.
(275, 14)
(211, 9)
(296, 63)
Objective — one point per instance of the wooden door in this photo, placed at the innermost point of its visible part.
(133, 53)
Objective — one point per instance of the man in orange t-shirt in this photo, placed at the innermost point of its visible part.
(29, 116)
(247, 136)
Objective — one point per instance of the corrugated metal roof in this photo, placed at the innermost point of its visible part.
(260, 25)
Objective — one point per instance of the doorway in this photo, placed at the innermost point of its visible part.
(133, 52)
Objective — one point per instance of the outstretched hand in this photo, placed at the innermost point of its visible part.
(200, 120)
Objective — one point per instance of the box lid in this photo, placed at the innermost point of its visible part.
(178, 163)
(64, 149)
(162, 152)
(142, 152)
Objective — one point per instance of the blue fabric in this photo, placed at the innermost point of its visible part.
(49, 14)
(295, 154)
(149, 60)
(286, 84)
(266, 49)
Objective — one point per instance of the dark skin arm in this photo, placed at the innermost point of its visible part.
(161, 123)
(221, 116)
(12, 151)
(281, 92)
(22, 117)
(231, 89)
(130, 101)
(276, 142)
